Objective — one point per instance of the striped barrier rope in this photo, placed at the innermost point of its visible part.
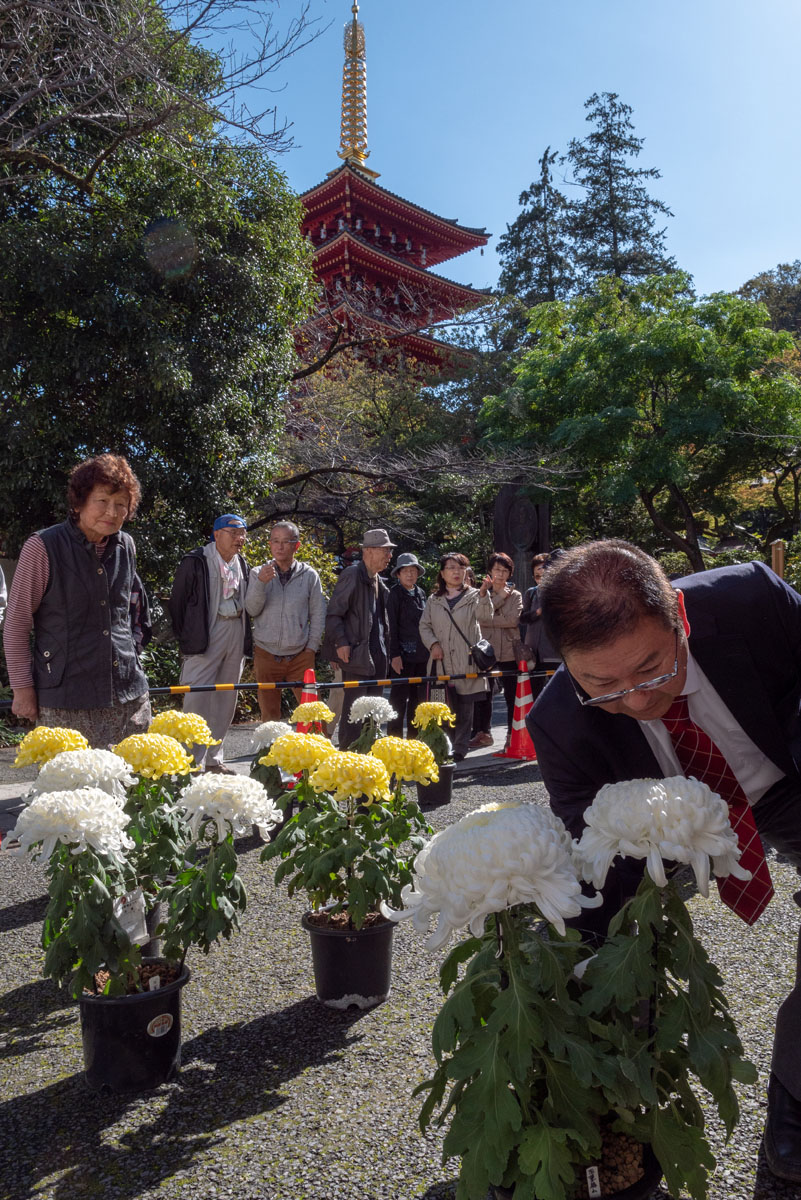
(181, 689)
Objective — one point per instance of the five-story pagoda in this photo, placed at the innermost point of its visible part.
(373, 251)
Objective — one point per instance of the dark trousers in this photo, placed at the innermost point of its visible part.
(778, 819)
(482, 715)
(463, 708)
(404, 698)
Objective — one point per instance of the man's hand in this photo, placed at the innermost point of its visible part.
(397, 664)
(436, 652)
(24, 705)
(267, 572)
(343, 653)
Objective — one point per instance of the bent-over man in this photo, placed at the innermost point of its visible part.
(655, 672)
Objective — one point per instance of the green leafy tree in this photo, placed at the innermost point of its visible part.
(153, 319)
(612, 224)
(535, 251)
(780, 291)
(661, 400)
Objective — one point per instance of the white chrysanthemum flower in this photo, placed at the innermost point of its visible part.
(85, 768)
(265, 734)
(234, 801)
(496, 857)
(376, 707)
(676, 819)
(80, 818)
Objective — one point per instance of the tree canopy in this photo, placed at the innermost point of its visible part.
(603, 224)
(660, 399)
(154, 319)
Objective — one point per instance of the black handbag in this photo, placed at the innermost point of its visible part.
(481, 652)
(483, 655)
(440, 692)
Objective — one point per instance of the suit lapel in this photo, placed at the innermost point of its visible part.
(729, 667)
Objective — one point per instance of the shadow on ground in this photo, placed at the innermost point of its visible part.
(64, 1133)
(27, 912)
(29, 1016)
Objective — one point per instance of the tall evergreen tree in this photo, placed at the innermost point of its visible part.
(535, 250)
(612, 224)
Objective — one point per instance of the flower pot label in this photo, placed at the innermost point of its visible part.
(163, 1024)
(593, 1183)
(130, 912)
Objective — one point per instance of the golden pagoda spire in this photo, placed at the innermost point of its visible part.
(353, 135)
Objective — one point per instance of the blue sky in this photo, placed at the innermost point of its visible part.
(463, 97)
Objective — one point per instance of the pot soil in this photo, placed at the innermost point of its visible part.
(628, 1170)
(352, 967)
(433, 795)
(132, 1043)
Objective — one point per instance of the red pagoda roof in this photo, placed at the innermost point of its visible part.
(348, 251)
(351, 196)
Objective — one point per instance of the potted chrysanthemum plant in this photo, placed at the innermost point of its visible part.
(206, 898)
(350, 845)
(130, 1007)
(429, 718)
(278, 784)
(78, 830)
(371, 712)
(162, 768)
(567, 1072)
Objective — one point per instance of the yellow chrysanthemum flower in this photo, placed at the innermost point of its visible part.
(45, 742)
(154, 755)
(408, 760)
(429, 711)
(312, 710)
(347, 774)
(295, 752)
(189, 728)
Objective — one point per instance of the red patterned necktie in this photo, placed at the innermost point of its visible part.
(700, 757)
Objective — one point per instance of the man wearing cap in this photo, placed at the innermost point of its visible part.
(207, 607)
(408, 655)
(286, 603)
(356, 628)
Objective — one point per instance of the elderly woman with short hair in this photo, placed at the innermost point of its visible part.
(72, 588)
(449, 626)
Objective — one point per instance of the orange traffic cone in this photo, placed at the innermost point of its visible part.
(308, 696)
(520, 743)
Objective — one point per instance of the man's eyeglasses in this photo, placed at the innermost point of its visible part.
(648, 686)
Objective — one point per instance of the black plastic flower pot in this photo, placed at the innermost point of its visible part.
(643, 1188)
(433, 795)
(352, 967)
(132, 1043)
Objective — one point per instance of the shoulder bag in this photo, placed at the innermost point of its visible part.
(481, 652)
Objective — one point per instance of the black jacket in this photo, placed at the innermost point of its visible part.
(189, 604)
(348, 620)
(404, 610)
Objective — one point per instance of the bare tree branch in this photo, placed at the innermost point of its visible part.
(72, 66)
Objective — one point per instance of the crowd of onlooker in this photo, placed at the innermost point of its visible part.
(78, 618)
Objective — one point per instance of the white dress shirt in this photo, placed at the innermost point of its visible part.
(754, 772)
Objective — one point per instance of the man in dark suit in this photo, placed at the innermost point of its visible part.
(730, 641)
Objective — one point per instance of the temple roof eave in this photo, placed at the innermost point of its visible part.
(361, 251)
(447, 225)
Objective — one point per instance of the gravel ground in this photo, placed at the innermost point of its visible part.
(279, 1098)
